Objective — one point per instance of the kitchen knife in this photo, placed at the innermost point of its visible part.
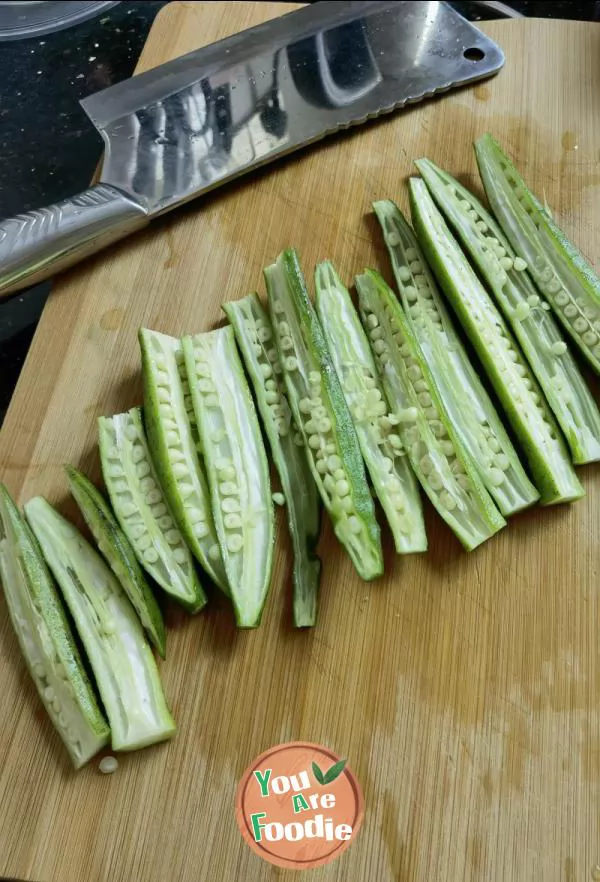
(187, 126)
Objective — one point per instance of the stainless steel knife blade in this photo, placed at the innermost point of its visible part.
(187, 126)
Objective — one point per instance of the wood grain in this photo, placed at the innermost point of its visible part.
(463, 688)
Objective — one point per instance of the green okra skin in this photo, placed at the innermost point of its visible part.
(441, 462)
(142, 510)
(110, 631)
(471, 410)
(375, 422)
(533, 325)
(118, 553)
(237, 466)
(46, 639)
(322, 415)
(507, 369)
(559, 270)
(173, 440)
(255, 339)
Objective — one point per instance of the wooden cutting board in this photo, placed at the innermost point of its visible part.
(464, 689)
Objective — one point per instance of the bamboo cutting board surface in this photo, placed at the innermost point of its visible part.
(464, 689)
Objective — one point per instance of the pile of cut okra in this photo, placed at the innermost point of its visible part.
(380, 401)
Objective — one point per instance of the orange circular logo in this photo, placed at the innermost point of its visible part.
(299, 806)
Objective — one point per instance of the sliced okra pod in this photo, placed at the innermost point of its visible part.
(441, 462)
(472, 412)
(375, 422)
(46, 639)
(120, 556)
(322, 415)
(142, 511)
(112, 635)
(254, 335)
(238, 470)
(533, 325)
(559, 270)
(173, 440)
(509, 373)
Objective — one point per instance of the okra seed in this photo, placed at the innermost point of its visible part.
(229, 488)
(463, 482)
(234, 543)
(266, 370)
(559, 348)
(232, 521)
(334, 463)
(230, 504)
(283, 428)
(179, 555)
(201, 530)
(180, 470)
(447, 500)
(372, 320)
(426, 464)
(264, 334)
(321, 466)
(431, 413)
(354, 525)
(165, 410)
(257, 349)
(329, 484)
(416, 267)
(144, 542)
(298, 439)
(553, 286)
(128, 509)
(284, 329)
(342, 488)
(411, 293)
(211, 401)
(414, 372)
(425, 399)
(159, 509)
(115, 471)
(589, 338)
(314, 442)
(495, 477)
(227, 473)
(533, 300)
(481, 226)
(151, 555)
(435, 481)
(166, 521)
(502, 462)
(222, 462)
(271, 386)
(163, 394)
(379, 347)
(580, 325)
(314, 378)
(286, 343)
(291, 363)
(206, 386)
(39, 671)
(171, 439)
(49, 693)
(395, 441)
(392, 238)
(202, 370)
(447, 448)
(132, 432)
(214, 552)
(339, 475)
(376, 334)
(176, 455)
(570, 311)
(522, 311)
(420, 386)
(272, 355)
(519, 264)
(142, 469)
(136, 531)
(409, 415)
(153, 497)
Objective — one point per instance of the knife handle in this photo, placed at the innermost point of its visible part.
(40, 243)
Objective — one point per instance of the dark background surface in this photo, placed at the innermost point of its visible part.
(48, 148)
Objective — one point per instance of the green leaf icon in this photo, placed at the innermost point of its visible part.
(334, 772)
(318, 773)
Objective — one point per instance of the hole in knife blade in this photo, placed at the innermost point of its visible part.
(474, 54)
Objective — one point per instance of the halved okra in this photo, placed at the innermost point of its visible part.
(173, 439)
(118, 553)
(238, 471)
(559, 270)
(509, 373)
(440, 460)
(254, 335)
(375, 422)
(111, 633)
(322, 415)
(470, 408)
(142, 511)
(533, 325)
(46, 639)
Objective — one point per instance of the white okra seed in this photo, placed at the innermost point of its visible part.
(166, 521)
(176, 455)
(404, 274)
(230, 504)
(144, 542)
(153, 496)
(232, 521)
(342, 488)
(590, 339)
(278, 498)
(201, 530)
(571, 310)
(392, 238)
(496, 477)
(214, 552)
(519, 264)
(410, 292)
(291, 363)
(227, 473)
(558, 348)
(321, 466)
(229, 488)
(502, 462)
(151, 554)
(354, 525)
(142, 469)
(179, 554)
(180, 470)
(222, 462)
(372, 320)
(128, 509)
(132, 432)
(580, 325)
(234, 543)
(447, 500)
(286, 343)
